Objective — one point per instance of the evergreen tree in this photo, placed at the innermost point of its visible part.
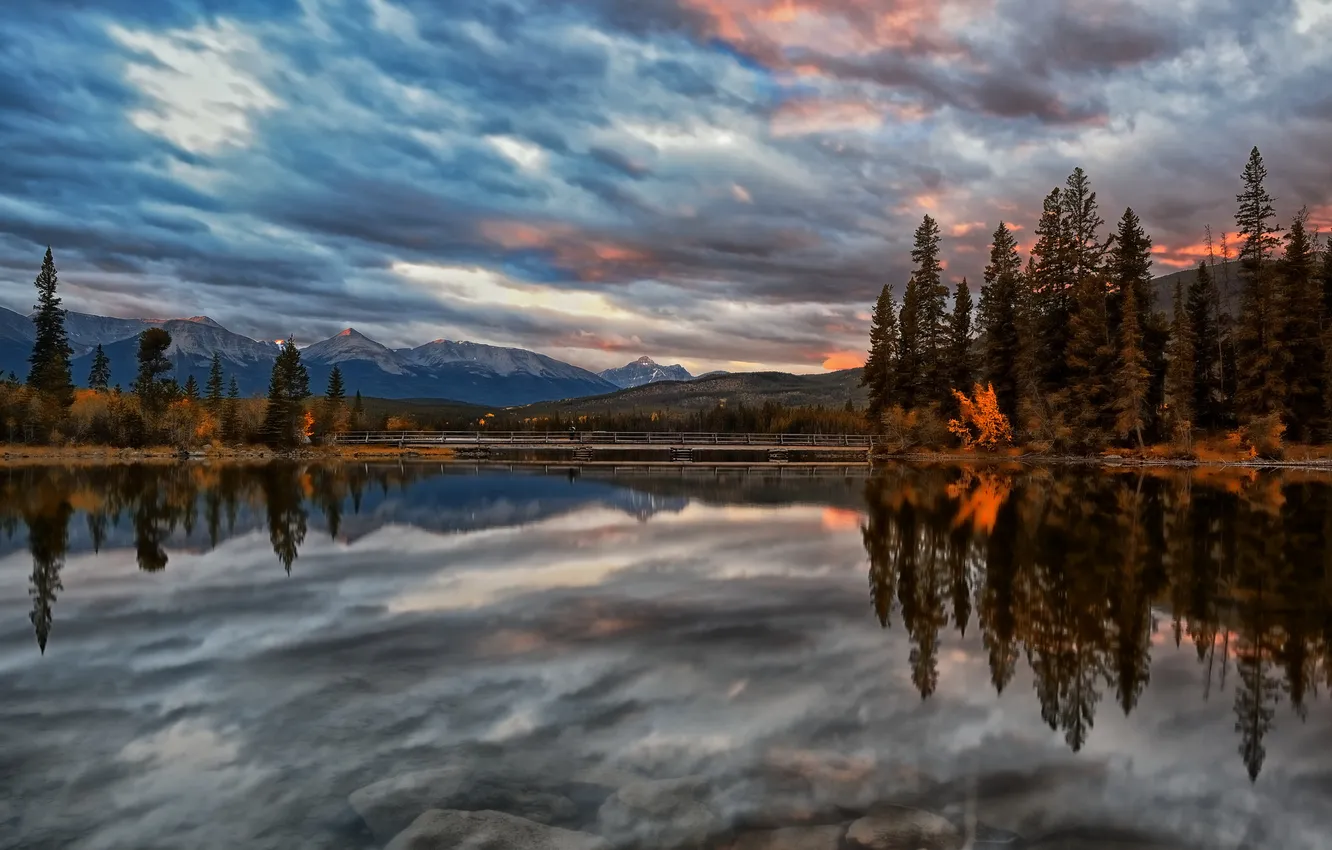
(1053, 296)
(1261, 354)
(288, 387)
(1091, 360)
(191, 389)
(1082, 227)
(1130, 373)
(958, 360)
(881, 364)
(1000, 321)
(908, 382)
(358, 410)
(1180, 372)
(231, 413)
(931, 314)
(100, 373)
(335, 392)
(1301, 300)
(1206, 382)
(1130, 267)
(153, 389)
(50, 374)
(214, 385)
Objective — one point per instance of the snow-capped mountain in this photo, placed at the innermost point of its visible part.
(645, 371)
(462, 371)
(352, 345)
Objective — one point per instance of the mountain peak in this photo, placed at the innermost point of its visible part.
(645, 370)
(352, 332)
(202, 320)
(645, 361)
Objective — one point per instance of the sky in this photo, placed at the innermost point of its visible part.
(726, 184)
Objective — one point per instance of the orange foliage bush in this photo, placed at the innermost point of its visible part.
(981, 423)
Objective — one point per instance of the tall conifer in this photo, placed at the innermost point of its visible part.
(959, 361)
(1301, 298)
(1053, 295)
(1183, 361)
(214, 386)
(1260, 352)
(1206, 382)
(152, 387)
(880, 366)
(99, 376)
(909, 382)
(1130, 394)
(931, 314)
(999, 319)
(1088, 397)
(50, 373)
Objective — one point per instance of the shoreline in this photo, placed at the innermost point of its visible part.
(16, 455)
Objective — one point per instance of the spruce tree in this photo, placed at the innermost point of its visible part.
(100, 373)
(1203, 332)
(1130, 373)
(1089, 395)
(191, 389)
(231, 413)
(1130, 267)
(931, 314)
(961, 371)
(288, 387)
(1000, 321)
(335, 392)
(1082, 223)
(1180, 392)
(154, 391)
(880, 366)
(50, 373)
(1261, 353)
(908, 382)
(214, 385)
(1301, 299)
(1053, 295)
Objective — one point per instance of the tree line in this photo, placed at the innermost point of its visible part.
(47, 407)
(1075, 355)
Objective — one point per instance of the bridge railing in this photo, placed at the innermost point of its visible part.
(630, 438)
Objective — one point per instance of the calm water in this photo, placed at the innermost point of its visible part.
(218, 657)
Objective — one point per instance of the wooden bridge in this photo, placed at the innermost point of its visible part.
(629, 446)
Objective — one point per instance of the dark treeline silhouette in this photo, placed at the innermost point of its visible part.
(190, 505)
(1067, 570)
(1077, 353)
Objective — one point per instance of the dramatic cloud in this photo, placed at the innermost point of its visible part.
(726, 183)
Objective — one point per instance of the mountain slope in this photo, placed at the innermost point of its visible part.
(644, 371)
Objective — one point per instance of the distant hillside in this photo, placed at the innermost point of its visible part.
(830, 389)
(1227, 275)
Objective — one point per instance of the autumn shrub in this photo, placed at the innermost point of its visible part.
(400, 423)
(1262, 436)
(980, 422)
(919, 428)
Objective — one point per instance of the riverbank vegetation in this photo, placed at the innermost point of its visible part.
(1075, 355)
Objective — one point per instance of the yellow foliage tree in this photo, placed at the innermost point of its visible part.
(981, 423)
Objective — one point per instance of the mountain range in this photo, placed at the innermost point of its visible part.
(441, 369)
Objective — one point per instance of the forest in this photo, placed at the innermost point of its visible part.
(1069, 353)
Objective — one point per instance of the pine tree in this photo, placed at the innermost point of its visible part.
(1301, 298)
(214, 385)
(931, 314)
(1130, 267)
(288, 387)
(959, 360)
(999, 319)
(1206, 382)
(1053, 295)
(100, 373)
(1130, 373)
(1261, 354)
(191, 389)
(908, 382)
(50, 374)
(881, 364)
(1082, 227)
(154, 391)
(1089, 395)
(1179, 390)
(335, 392)
(231, 413)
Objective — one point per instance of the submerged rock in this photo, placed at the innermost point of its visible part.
(439, 829)
(792, 838)
(663, 813)
(904, 828)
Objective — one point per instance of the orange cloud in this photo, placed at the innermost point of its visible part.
(587, 259)
(843, 360)
(803, 117)
(1182, 257)
(966, 227)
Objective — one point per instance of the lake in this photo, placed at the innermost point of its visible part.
(312, 656)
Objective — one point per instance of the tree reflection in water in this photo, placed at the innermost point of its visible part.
(1069, 568)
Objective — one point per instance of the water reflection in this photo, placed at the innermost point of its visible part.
(1068, 570)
